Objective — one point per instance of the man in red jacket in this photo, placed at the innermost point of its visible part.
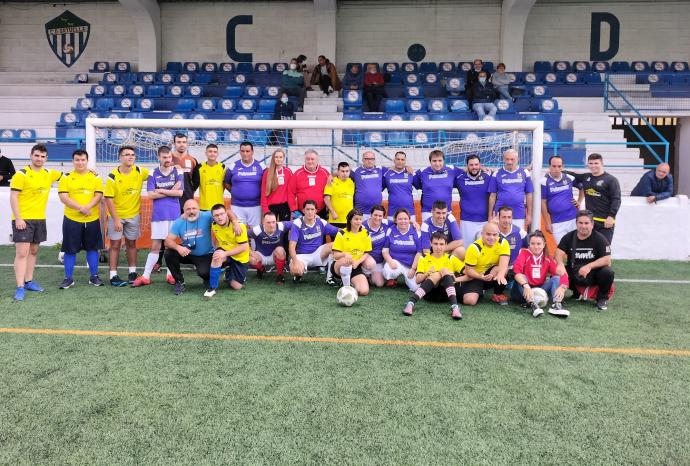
(307, 183)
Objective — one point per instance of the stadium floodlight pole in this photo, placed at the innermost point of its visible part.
(534, 126)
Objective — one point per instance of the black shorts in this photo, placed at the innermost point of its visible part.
(476, 286)
(282, 211)
(77, 236)
(356, 271)
(235, 271)
(437, 295)
(35, 232)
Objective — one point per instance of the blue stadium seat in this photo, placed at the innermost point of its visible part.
(233, 91)
(203, 78)
(391, 67)
(262, 116)
(581, 66)
(394, 116)
(352, 137)
(455, 86)
(447, 68)
(118, 90)
(428, 67)
(68, 119)
(601, 66)
(431, 79)
(166, 78)
(504, 106)
(246, 105)
(127, 78)
(679, 66)
(7, 134)
(262, 68)
(574, 78)
(244, 67)
(267, 106)
(356, 116)
(352, 99)
(409, 67)
(226, 105)
(393, 78)
(437, 106)
(554, 78)
(639, 66)
(98, 90)
(620, 67)
(209, 67)
(146, 77)
(124, 103)
(144, 105)
(532, 78)
(374, 138)
(425, 137)
(545, 105)
(394, 106)
(177, 116)
(185, 105)
(190, 66)
(458, 105)
(175, 90)
(137, 90)
(415, 106)
(194, 91)
(100, 67)
(122, 67)
(80, 78)
(464, 67)
(241, 79)
(155, 91)
(226, 67)
(592, 77)
(257, 137)
(411, 79)
(542, 66)
(414, 92)
(561, 66)
(109, 78)
(252, 92)
(280, 67)
(539, 91)
(83, 103)
(397, 138)
(173, 67)
(271, 92)
(205, 104)
(25, 133)
(417, 117)
(185, 78)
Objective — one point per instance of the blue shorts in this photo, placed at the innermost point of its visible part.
(235, 271)
(77, 236)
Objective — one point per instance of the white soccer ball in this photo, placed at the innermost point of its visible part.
(540, 297)
(347, 296)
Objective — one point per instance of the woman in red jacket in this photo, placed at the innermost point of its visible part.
(534, 268)
(373, 88)
(274, 184)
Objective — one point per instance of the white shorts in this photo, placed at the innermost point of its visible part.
(378, 268)
(562, 228)
(313, 259)
(393, 274)
(265, 260)
(250, 216)
(470, 231)
(160, 229)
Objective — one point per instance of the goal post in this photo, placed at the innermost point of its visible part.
(526, 136)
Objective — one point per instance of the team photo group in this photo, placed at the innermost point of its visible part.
(313, 221)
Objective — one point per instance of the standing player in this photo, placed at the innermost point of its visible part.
(274, 186)
(368, 183)
(338, 196)
(558, 206)
(436, 182)
(486, 265)
(436, 276)
(402, 251)
(269, 239)
(511, 186)
(232, 252)
(377, 227)
(243, 180)
(350, 250)
(81, 190)
(473, 187)
(30, 187)
(208, 177)
(441, 220)
(602, 195)
(123, 200)
(164, 188)
(184, 163)
(306, 246)
(307, 184)
(399, 184)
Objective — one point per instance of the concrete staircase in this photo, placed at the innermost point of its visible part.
(641, 97)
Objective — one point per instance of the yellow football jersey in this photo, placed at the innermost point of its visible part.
(81, 188)
(357, 244)
(125, 190)
(34, 188)
(446, 261)
(211, 185)
(482, 257)
(342, 198)
(227, 240)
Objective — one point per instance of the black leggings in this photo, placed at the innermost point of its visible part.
(282, 211)
(201, 263)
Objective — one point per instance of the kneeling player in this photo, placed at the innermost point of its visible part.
(232, 252)
(269, 238)
(402, 251)
(307, 247)
(350, 249)
(436, 275)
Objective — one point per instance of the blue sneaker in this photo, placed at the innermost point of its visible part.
(33, 286)
(19, 294)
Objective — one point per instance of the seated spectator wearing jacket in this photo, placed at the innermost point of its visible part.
(292, 83)
(655, 185)
(473, 77)
(326, 76)
(373, 88)
(483, 95)
(283, 110)
(501, 82)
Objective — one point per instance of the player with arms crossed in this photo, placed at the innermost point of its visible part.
(231, 254)
(398, 181)
(81, 190)
(512, 186)
(350, 249)
(30, 187)
(306, 246)
(269, 239)
(444, 222)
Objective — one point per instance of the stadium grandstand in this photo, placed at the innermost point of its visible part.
(567, 78)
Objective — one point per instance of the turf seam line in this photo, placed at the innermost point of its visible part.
(348, 341)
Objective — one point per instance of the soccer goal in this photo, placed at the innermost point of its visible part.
(335, 141)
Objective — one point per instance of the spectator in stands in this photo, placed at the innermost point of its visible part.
(300, 60)
(6, 170)
(473, 78)
(588, 254)
(501, 82)
(274, 187)
(655, 185)
(483, 96)
(326, 76)
(473, 187)
(308, 183)
(373, 88)
(511, 186)
(184, 163)
(558, 206)
(602, 195)
(284, 110)
(353, 78)
(292, 83)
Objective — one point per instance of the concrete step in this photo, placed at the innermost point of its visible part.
(319, 108)
(319, 116)
(580, 105)
(613, 135)
(317, 94)
(71, 90)
(591, 125)
(53, 77)
(27, 119)
(613, 149)
(24, 103)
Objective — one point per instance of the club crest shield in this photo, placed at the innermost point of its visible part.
(68, 35)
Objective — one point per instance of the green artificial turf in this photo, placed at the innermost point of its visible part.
(126, 400)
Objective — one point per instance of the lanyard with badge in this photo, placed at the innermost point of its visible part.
(536, 266)
(281, 177)
(312, 180)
